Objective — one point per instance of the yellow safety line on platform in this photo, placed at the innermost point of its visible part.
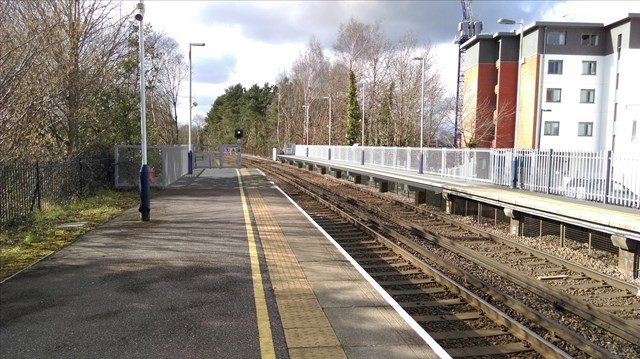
(264, 325)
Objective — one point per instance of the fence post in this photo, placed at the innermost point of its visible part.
(221, 148)
(115, 168)
(549, 171)
(443, 161)
(164, 160)
(514, 169)
(36, 193)
(608, 178)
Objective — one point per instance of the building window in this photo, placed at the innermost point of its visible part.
(587, 96)
(558, 38)
(555, 67)
(585, 129)
(551, 128)
(590, 39)
(588, 67)
(554, 95)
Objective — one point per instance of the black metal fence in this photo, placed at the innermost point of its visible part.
(29, 187)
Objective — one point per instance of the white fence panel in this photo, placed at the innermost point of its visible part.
(592, 175)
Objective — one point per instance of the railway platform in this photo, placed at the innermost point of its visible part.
(227, 267)
(621, 225)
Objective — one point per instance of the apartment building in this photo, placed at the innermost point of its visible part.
(579, 87)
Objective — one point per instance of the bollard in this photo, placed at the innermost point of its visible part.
(145, 194)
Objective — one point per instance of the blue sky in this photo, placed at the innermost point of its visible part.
(252, 42)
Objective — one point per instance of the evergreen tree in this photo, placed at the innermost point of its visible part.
(353, 111)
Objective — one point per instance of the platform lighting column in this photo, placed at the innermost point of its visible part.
(421, 164)
(145, 192)
(514, 162)
(363, 116)
(306, 124)
(190, 154)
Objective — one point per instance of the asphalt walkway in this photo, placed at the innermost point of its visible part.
(217, 273)
(179, 286)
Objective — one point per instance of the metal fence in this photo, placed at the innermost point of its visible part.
(600, 176)
(29, 187)
(167, 163)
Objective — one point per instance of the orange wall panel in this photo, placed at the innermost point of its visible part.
(528, 103)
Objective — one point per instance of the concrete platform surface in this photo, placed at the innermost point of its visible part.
(227, 267)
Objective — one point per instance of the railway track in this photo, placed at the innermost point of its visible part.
(392, 241)
(462, 323)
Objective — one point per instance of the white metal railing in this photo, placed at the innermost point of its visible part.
(602, 176)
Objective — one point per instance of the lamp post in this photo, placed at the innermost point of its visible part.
(190, 154)
(306, 124)
(420, 165)
(363, 115)
(145, 192)
(514, 163)
(329, 98)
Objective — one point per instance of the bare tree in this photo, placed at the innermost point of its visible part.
(22, 96)
(309, 71)
(166, 69)
(479, 127)
(62, 52)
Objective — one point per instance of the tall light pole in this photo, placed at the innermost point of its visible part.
(329, 97)
(420, 165)
(363, 114)
(306, 124)
(190, 154)
(145, 192)
(514, 162)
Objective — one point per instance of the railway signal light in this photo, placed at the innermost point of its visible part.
(237, 133)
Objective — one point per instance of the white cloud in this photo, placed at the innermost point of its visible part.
(604, 12)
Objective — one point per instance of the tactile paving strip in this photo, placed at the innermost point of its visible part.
(306, 327)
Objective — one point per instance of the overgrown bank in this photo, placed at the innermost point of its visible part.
(26, 243)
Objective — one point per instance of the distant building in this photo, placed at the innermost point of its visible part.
(580, 87)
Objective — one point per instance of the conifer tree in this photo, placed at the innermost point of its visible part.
(353, 111)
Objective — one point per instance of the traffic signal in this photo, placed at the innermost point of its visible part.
(237, 133)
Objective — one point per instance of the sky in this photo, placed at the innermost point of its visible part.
(253, 42)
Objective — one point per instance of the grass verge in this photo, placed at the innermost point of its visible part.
(24, 244)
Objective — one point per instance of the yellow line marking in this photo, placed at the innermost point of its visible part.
(264, 325)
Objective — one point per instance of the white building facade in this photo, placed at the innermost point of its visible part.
(589, 87)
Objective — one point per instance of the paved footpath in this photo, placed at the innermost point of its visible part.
(193, 283)
(179, 286)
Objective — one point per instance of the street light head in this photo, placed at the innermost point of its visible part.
(506, 21)
(196, 44)
(194, 104)
(139, 13)
(418, 58)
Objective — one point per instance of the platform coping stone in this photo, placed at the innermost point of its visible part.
(307, 330)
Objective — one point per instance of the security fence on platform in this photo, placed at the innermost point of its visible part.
(167, 163)
(600, 176)
(29, 187)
